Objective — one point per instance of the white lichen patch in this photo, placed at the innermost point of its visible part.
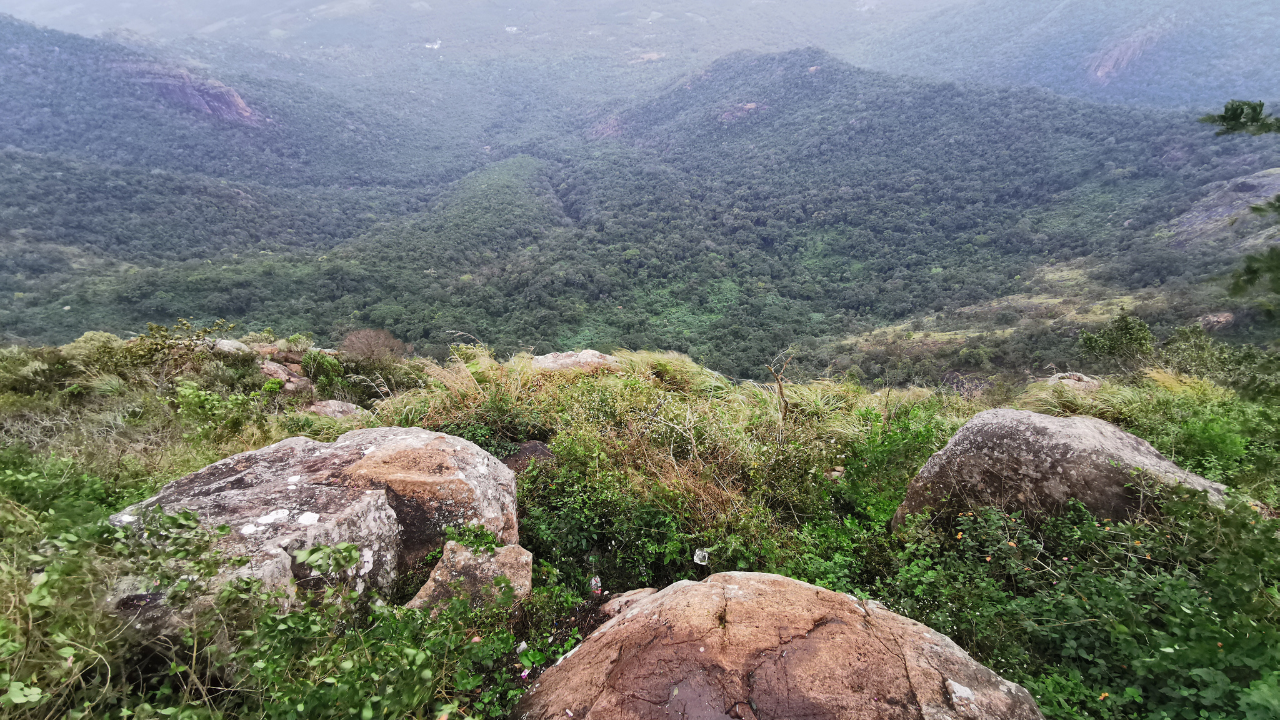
(308, 518)
(274, 516)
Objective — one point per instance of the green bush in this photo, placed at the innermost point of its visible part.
(1172, 617)
(482, 435)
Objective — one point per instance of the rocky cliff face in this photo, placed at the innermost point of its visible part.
(1223, 219)
(204, 95)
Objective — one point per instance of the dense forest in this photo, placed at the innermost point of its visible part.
(764, 202)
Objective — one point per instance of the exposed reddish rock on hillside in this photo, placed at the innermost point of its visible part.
(204, 95)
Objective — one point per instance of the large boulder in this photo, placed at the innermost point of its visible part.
(335, 409)
(751, 645)
(231, 347)
(390, 491)
(1020, 460)
(462, 569)
(617, 604)
(583, 360)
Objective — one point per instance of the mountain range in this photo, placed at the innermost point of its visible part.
(760, 201)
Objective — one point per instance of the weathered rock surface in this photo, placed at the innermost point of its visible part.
(463, 569)
(751, 645)
(335, 409)
(1214, 322)
(391, 491)
(1019, 460)
(1222, 217)
(529, 452)
(582, 360)
(1075, 381)
(293, 382)
(204, 95)
(231, 347)
(619, 603)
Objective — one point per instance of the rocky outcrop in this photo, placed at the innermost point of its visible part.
(583, 360)
(1214, 322)
(335, 409)
(1222, 217)
(390, 491)
(529, 452)
(1019, 460)
(464, 570)
(203, 95)
(750, 645)
(1075, 381)
(294, 383)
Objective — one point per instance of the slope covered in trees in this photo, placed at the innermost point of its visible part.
(765, 201)
(101, 101)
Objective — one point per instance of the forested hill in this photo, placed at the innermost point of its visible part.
(1179, 53)
(98, 100)
(765, 201)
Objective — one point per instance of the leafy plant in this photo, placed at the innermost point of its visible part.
(1126, 340)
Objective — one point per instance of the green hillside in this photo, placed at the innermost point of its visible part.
(766, 201)
(101, 101)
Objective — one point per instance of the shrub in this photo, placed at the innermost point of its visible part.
(1172, 616)
(1126, 341)
(377, 345)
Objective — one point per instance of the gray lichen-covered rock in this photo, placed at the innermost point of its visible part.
(231, 347)
(463, 569)
(751, 645)
(1075, 381)
(335, 409)
(389, 491)
(581, 360)
(1020, 460)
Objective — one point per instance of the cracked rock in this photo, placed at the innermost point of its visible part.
(462, 569)
(389, 491)
(752, 645)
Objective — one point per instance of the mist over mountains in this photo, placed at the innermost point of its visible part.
(1176, 53)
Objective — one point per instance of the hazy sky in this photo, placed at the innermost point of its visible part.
(350, 21)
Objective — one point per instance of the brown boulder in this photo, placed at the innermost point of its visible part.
(619, 603)
(293, 382)
(462, 569)
(751, 645)
(1214, 322)
(1020, 460)
(583, 360)
(528, 453)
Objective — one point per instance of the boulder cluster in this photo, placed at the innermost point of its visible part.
(735, 645)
